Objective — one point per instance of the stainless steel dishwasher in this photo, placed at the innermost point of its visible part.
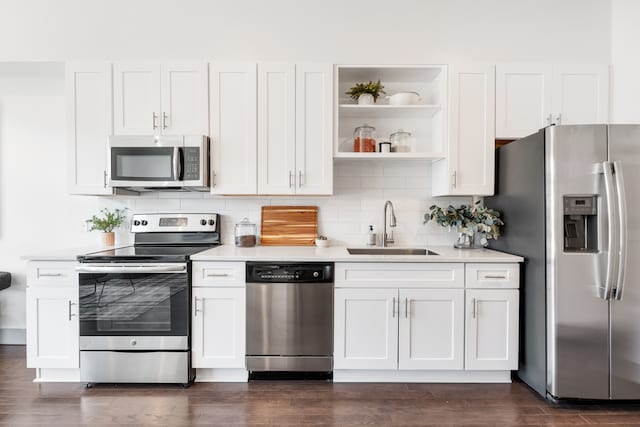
(289, 317)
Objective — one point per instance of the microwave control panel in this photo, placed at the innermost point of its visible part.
(191, 164)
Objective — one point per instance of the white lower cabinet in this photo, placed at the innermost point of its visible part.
(218, 327)
(492, 329)
(53, 328)
(399, 329)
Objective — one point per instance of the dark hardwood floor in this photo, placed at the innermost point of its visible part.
(23, 402)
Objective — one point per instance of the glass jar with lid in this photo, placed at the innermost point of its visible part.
(364, 139)
(401, 141)
(245, 234)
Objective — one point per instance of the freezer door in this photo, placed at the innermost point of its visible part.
(624, 149)
(577, 318)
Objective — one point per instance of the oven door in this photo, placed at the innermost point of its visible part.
(134, 306)
(146, 161)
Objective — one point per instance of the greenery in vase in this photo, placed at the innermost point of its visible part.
(468, 220)
(373, 88)
(108, 221)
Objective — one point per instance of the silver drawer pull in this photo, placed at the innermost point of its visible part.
(70, 313)
(218, 275)
(50, 274)
(495, 277)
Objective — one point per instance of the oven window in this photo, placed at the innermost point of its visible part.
(134, 304)
(146, 164)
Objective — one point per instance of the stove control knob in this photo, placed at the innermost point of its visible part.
(136, 222)
(144, 222)
(134, 342)
(316, 274)
(211, 222)
(203, 222)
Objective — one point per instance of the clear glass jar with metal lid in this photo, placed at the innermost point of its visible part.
(402, 141)
(364, 139)
(245, 234)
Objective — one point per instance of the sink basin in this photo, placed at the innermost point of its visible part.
(389, 251)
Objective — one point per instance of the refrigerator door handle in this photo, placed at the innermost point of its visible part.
(622, 230)
(612, 229)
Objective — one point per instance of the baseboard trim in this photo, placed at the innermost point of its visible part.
(353, 375)
(222, 375)
(13, 336)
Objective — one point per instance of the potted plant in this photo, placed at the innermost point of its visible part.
(366, 93)
(476, 224)
(109, 221)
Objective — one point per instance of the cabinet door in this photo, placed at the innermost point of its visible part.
(314, 128)
(366, 329)
(136, 98)
(53, 329)
(233, 128)
(218, 327)
(276, 129)
(469, 167)
(580, 94)
(185, 99)
(492, 330)
(523, 99)
(431, 329)
(89, 124)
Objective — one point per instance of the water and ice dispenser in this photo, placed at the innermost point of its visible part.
(580, 223)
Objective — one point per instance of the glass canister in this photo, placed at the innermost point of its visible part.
(401, 141)
(245, 234)
(364, 139)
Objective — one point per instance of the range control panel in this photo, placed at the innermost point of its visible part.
(260, 272)
(162, 223)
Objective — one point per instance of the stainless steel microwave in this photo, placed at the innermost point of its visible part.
(148, 163)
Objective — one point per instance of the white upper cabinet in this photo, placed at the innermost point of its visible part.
(532, 96)
(89, 123)
(469, 166)
(314, 129)
(580, 94)
(233, 128)
(276, 128)
(151, 98)
(523, 99)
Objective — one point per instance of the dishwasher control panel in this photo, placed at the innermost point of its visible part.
(261, 272)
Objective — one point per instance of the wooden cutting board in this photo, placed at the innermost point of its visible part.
(289, 225)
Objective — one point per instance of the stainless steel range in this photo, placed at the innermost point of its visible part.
(135, 301)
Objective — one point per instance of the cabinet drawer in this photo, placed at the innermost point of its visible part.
(218, 273)
(52, 273)
(399, 275)
(493, 276)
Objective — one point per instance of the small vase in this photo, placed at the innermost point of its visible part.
(469, 242)
(366, 99)
(109, 238)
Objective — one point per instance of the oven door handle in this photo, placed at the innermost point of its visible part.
(132, 268)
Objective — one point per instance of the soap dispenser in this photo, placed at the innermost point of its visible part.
(371, 240)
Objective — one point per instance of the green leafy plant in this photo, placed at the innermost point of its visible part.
(468, 220)
(109, 220)
(373, 88)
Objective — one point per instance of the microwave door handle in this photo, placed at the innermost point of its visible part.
(622, 229)
(176, 163)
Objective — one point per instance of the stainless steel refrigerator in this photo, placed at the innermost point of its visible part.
(570, 198)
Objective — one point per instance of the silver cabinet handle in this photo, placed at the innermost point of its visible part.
(559, 119)
(393, 308)
(474, 311)
(622, 229)
(213, 179)
(70, 313)
(454, 179)
(218, 275)
(406, 308)
(104, 178)
(290, 178)
(611, 229)
(495, 277)
(50, 275)
(165, 116)
(549, 118)
(195, 307)
(300, 175)
(155, 120)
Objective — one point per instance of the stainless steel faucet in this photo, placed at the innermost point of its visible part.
(392, 223)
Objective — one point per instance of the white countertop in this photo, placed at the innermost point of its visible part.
(340, 254)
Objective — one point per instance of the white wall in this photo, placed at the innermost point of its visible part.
(625, 60)
(342, 31)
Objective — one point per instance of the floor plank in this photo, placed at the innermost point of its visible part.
(290, 403)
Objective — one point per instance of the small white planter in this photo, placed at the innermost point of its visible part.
(366, 99)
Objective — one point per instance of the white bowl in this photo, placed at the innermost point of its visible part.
(323, 243)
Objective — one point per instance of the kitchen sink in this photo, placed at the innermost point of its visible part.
(390, 251)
